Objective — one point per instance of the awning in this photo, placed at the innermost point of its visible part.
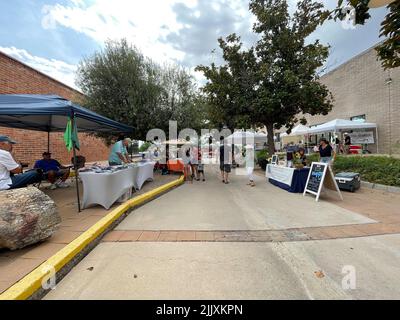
(296, 131)
(246, 137)
(340, 124)
(49, 113)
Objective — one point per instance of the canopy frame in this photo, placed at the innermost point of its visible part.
(14, 108)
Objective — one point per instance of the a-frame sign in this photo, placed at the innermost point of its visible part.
(320, 176)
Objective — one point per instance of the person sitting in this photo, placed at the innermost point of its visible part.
(303, 157)
(11, 176)
(53, 170)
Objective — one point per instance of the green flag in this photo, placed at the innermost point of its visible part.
(71, 136)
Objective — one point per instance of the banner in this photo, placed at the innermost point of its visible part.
(362, 137)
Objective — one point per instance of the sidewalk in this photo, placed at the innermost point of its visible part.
(237, 242)
(14, 265)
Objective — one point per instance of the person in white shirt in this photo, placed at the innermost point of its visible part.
(9, 166)
(250, 158)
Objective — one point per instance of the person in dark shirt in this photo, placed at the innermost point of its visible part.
(326, 152)
(303, 157)
(225, 162)
(52, 170)
(347, 144)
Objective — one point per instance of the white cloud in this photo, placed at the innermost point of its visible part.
(143, 23)
(56, 69)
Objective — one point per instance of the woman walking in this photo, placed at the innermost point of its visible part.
(250, 164)
(188, 166)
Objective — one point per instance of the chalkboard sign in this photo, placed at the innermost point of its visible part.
(320, 176)
(274, 159)
(315, 179)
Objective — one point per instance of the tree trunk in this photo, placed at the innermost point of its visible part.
(271, 142)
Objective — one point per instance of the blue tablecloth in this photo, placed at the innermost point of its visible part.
(298, 182)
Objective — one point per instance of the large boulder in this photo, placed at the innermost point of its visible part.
(27, 216)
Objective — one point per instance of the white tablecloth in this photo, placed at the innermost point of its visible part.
(280, 174)
(106, 188)
(145, 171)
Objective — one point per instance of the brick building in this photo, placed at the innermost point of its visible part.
(363, 89)
(18, 78)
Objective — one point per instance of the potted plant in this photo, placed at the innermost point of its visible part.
(297, 161)
(262, 159)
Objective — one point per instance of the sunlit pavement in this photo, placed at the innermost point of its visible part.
(208, 240)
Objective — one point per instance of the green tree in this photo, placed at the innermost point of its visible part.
(122, 84)
(272, 83)
(389, 49)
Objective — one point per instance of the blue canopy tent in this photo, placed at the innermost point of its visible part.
(49, 113)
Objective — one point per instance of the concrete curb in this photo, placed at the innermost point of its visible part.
(30, 287)
(382, 187)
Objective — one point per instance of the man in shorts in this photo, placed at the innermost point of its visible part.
(225, 162)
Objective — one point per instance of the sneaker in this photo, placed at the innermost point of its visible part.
(52, 187)
(62, 185)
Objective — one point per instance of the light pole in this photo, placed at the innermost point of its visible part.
(388, 83)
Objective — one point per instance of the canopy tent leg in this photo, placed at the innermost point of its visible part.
(377, 141)
(76, 171)
(48, 141)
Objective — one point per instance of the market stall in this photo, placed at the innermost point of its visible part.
(297, 134)
(361, 132)
(247, 137)
(289, 179)
(104, 186)
(51, 113)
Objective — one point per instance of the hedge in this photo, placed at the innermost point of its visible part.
(144, 147)
(375, 169)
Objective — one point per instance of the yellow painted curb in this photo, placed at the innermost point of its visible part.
(32, 282)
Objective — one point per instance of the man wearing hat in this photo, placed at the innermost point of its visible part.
(119, 153)
(53, 170)
(11, 176)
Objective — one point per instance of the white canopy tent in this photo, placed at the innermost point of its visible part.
(338, 125)
(246, 137)
(297, 131)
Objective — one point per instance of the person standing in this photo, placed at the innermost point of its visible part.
(200, 167)
(347, 144)
(11, 176)
(225, 162)
(326, 152)
(187, 161)
(119, 152)
(250, 164)
(194, 162)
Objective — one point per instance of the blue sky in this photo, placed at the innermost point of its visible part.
(54, 35)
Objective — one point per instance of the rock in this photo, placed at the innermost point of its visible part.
(27, 216)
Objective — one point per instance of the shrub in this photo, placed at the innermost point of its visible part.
(374, 169)
(261, 157)
(145, 146)
(314, 157)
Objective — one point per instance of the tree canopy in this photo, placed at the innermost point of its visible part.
(273, 82)
(389, 49)
(122, 84)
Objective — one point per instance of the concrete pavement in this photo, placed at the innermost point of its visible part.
(236, 270)
(212, 205)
